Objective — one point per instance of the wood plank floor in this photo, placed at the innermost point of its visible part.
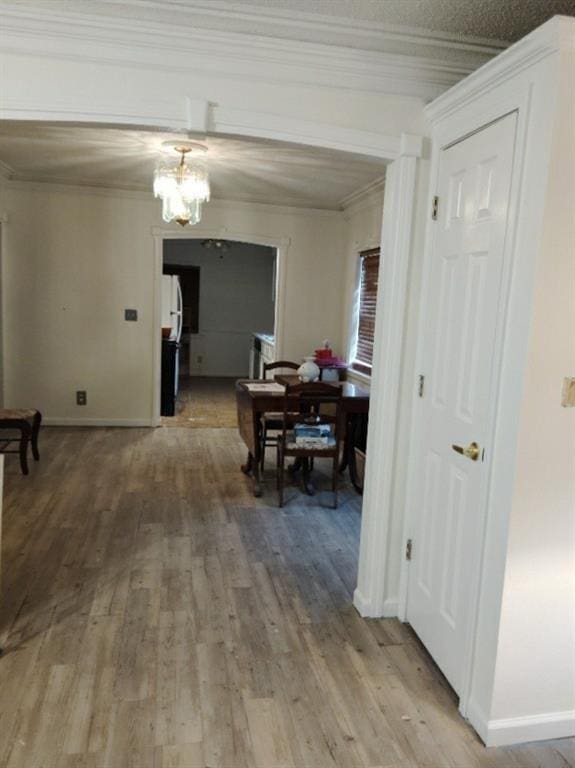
(205, 402)
(156, 615)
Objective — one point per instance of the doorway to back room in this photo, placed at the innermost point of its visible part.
(218, 303)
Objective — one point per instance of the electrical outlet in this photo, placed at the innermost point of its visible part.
(199, 359)
(131, 314)
(81, 397)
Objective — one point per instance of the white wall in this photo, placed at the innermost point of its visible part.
(86, 255)
(236, 300)
(535, 670)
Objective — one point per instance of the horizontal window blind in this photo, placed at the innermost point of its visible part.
(367, 303)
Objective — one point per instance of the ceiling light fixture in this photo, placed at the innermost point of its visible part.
(183, 185)
(219, 246)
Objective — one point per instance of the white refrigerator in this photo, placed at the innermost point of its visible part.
(172, 306)
(172, 318)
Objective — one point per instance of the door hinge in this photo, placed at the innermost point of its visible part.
(408, 548)
(421, 386)
(434, 207)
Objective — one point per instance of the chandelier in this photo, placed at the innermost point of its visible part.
(183, 184)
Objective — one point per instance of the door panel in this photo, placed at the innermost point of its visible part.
(458, 339)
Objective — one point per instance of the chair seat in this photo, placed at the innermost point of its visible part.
(327, 449)
(291, 445)
(25, 421)
(17, 414)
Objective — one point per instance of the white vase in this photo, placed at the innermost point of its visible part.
(308, 370)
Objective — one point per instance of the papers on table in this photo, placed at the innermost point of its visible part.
(270, 387)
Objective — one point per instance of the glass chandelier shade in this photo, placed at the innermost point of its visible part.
(183, 187)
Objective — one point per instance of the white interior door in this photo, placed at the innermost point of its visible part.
(460, 317)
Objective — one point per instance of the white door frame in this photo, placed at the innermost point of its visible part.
(159, 234)
(397, 231)
(381, 463)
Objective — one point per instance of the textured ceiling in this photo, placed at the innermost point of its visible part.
(240, 169)
(495, 19)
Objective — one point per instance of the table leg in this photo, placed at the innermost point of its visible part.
(25, 435)
(252, 467)
(295, 466)
(347, 441)
(306, 477)
(247, 467)
(357, 437)
(35, 432)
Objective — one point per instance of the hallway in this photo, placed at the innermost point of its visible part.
(156, 615)
(204, 402)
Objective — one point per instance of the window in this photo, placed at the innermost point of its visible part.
(369, 274)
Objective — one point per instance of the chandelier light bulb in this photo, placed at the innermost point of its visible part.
(182, 185)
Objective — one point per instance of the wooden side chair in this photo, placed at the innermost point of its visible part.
(314, 403)
(272, 422)
(27, 421)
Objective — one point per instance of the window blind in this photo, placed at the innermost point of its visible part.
(367, 303)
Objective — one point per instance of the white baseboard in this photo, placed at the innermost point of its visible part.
(476, 718)
(519, 730)
(361, 604)
(72, 421)
(365, 608)
(390, 608)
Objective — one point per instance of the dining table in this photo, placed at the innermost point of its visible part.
(254, 397)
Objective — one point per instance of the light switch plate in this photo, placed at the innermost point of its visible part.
(568, 392)
(131, 314)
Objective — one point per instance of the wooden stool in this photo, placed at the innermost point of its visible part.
(28, 421)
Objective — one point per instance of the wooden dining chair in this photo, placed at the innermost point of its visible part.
(310, 404)
(272, 422)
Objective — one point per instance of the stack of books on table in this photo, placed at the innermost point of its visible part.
(314, 436)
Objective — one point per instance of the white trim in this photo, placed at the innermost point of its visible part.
(542, 42)
(73, 421)
(514, 730)
(519, 730)
(390, 607)
(413, 64)
(329, 28)
(159, 234)
(367, 196)
(397, 231)
(246, 122)
(362, 378)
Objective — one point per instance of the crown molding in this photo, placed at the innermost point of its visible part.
(415, 64)
(277, 23)
(556, 34)
(370, 194)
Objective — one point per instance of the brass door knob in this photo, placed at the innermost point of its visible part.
(471, 452)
